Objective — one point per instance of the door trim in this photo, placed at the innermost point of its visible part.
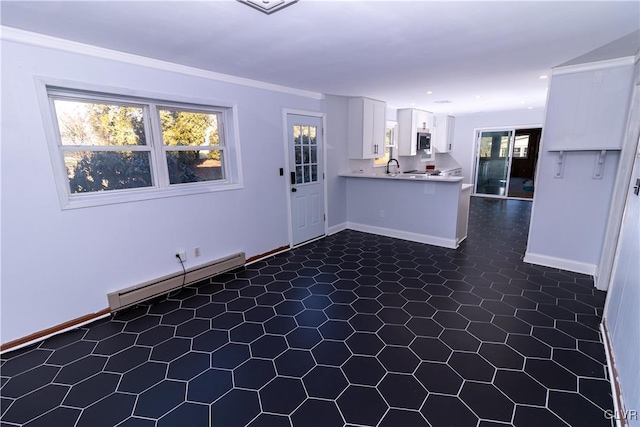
(285, 135)
(623, 181)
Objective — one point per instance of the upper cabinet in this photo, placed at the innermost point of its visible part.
(442, 132)
(587, 110)
(367, 124)
(409, 121)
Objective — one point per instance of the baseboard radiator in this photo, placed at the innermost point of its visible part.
(136, 294)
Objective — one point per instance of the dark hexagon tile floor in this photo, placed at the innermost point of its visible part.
(354, 329)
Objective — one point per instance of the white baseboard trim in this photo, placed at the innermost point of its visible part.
(561, 263)
(404, 235)
(336, 228)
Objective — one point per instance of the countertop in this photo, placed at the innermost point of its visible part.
(403, 177)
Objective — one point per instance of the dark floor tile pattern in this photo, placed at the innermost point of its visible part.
(354, 329)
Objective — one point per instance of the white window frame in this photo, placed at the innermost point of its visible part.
(48, 90)
(392, 127)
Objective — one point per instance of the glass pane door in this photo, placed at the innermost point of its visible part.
(492, 168)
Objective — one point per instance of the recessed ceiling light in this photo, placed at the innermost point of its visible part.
(543, 77)
(522, 102)
(529, 108)
(478, 97)
(429, 92)
(268, 6)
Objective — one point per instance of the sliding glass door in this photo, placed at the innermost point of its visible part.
(493, 161)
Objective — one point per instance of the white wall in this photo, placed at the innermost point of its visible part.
(58, 265)
(570, 214)
(464, 135)
(336, 108)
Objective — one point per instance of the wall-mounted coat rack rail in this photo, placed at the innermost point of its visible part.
(598, 169)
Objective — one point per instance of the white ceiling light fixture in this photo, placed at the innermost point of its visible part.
(268, 6)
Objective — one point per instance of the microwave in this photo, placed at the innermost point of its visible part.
(424, 140)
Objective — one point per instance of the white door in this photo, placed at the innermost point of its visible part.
(306, 182)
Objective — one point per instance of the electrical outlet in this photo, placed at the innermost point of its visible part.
(196, 251)
(382, 214)
(182, 255)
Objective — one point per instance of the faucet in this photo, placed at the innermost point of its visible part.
(389, 162)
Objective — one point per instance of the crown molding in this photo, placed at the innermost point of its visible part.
(594, 66)
(41, 40)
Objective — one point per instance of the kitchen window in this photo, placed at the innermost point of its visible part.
(111, 148)
(390, 136)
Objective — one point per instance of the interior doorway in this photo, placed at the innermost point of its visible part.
(506, 162)
(523, 163)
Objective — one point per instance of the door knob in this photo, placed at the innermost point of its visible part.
(293, 189)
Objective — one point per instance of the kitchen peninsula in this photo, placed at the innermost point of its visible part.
(415, 207)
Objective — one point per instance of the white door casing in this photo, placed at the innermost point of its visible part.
(628, 156)
(305, 146)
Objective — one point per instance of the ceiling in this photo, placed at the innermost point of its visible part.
(479, 55)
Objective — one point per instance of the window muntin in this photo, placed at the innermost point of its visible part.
(115, 144)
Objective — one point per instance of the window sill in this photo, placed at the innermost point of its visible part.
(137, 195)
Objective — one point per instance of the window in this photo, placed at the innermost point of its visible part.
(104, 145)
(521, 147)
(111, 148)
(488, 146)
(192, 146)
(306, 151)
(389, 144)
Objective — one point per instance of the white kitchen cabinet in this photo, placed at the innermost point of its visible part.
(409, 121)
(442, 132)
(367, 124)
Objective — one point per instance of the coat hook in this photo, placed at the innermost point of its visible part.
(560, 165)
(598, 170)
